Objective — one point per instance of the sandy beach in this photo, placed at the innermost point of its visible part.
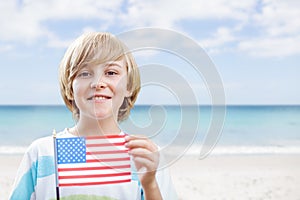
(238, 177)
(215, 177)
(8, 170)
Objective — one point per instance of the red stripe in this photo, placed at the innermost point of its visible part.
(107, 152)
(108, 160)
(95, 175)
(93, 168)
(94, 183)
(104, 137)
(106, 144)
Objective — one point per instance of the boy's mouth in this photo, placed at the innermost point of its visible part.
(99, 97)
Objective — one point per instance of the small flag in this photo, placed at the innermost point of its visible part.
(94, 160)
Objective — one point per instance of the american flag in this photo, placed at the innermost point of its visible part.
(94, 160)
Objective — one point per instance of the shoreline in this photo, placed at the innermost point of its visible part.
(214, 177)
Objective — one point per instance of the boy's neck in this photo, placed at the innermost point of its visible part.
(87, 127)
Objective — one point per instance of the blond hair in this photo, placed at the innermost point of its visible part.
(97, 48)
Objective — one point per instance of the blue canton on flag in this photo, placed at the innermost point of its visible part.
(71, 150)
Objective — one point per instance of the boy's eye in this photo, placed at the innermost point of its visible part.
(111, 73)
(84, 74)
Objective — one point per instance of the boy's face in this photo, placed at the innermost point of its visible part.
(99, 90)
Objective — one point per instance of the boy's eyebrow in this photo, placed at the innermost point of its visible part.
(107, 64)
(84, 65)
(112, 63)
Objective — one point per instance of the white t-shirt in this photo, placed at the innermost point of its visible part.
(36, 179)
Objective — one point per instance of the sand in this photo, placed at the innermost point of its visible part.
(215, 177)
(238, 177)
(8, 168)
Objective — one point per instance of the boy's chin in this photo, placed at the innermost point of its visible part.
(104, 117)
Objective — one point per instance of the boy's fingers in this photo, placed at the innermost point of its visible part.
(134, 137)
(145, 163)
(142, 152)
(141, 143)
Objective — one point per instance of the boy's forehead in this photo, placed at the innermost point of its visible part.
(121, 62)
(103, 56)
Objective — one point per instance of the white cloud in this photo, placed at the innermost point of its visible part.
(167, 13)
(16, 25)
(270, 47)
(275, 22)
(219, 39)
(24, 22)
(56, 42)
(279, 30)
(5, 48)
(279, 17)
(275, 30)
(68, 9)
(26, 18)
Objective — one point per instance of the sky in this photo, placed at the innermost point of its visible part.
(254, 45)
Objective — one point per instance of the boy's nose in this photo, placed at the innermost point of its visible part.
(98, 84)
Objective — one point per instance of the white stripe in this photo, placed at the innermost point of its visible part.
(105, 141)
(107, 156)
(96, 164)
(106, 148)
(93, 164)
(88, 180)
(90, 172)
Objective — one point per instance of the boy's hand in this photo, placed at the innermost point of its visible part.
(146, 159)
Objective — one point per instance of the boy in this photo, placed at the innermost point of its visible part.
(99, 82)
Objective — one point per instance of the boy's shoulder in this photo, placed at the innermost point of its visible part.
(63, 133)
(44, 145)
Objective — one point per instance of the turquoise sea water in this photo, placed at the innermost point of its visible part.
(247, 129)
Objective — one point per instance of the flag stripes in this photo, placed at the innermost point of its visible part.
(95, 176)
(92, 160)
(94, 183)
(93, 168)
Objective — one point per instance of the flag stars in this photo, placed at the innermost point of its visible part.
(71, 150)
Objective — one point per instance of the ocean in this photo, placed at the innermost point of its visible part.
(246, 129)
